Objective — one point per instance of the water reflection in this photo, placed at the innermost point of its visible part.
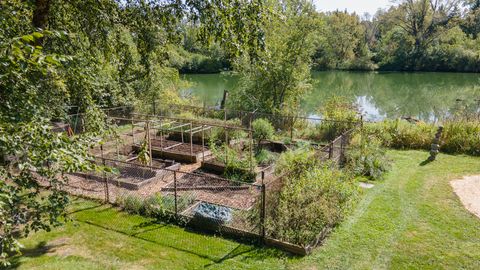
(426, 96)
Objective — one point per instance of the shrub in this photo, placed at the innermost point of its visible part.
(401, 134)
(131, 204)
(262, 130)
(458, 137)
(367, 157)
(237, 165)
(311, 201)
(461, 136)
(218, 133)
(296, 162)
(265, 157)
(156, 206)
(339, 116)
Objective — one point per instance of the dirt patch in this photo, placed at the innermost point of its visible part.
(62, 247)
(468, 190)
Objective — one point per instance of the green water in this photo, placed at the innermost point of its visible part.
(379, 95)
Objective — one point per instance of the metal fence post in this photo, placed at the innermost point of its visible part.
(191, 142)
(262, 214)
(291, 129)
(105, 180)
(330, 151)
(175, 192)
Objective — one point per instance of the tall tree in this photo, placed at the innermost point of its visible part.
(423, 20)
(275, 80)
(90, 53)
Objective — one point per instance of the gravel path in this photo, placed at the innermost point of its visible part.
(468, 189)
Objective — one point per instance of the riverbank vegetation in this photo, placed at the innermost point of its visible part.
(458, 137)
(423, 35)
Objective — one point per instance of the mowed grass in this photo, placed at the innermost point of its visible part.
(411, 220)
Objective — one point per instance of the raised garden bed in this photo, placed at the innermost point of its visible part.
(215, 190)
(196, 137)
(274, 146)
(181, 152)
(219, 168)
(134, 177)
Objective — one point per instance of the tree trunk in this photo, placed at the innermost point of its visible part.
(40, 14)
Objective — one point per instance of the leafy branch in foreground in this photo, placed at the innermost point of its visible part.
(34, 163)
(34, 159)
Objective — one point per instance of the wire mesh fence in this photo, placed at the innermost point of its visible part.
(159, 189)
(203, 201)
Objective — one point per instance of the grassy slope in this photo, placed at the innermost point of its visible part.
(411, 220)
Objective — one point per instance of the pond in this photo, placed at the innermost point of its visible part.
(379, 95)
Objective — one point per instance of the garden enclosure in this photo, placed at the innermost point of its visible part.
(173, 188)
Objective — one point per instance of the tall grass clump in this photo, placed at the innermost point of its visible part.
(462, 136)
(401, 134)
(314, 198)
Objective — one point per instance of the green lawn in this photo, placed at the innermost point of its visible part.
(410, 220)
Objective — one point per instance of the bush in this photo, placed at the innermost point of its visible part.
(131, 204)
(262, 130)
(217, 134)
(237, 165)
(401, 134)
(367, 157)
(339, 116)
(461, 136)
(296, 162)
(265, 157)
(311, 201)
(156, 206)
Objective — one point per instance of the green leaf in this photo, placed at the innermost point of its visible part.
(28, 38)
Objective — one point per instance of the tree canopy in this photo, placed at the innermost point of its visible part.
(62, 57)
